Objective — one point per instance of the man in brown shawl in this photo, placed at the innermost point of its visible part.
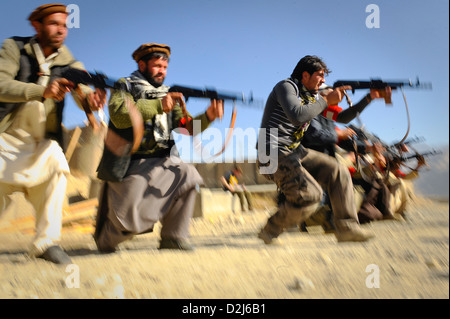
(155, 185)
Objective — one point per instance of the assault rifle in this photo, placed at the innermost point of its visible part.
(394, 155)
(394, 160)
(378, 84)
(394, 149)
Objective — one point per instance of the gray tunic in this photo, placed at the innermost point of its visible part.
(286, 112)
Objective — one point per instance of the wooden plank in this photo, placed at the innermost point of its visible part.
(79, 228)
(7, 229)
(24, 225)
(23, 220)
(82, 215)
(73, 143)
(84, 211)
(81, 205)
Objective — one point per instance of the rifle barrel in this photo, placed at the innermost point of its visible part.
(209, 93)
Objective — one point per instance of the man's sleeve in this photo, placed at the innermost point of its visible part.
(297, 112)
(11, 90)
(118, 111)
(179, 119)
(347, 115)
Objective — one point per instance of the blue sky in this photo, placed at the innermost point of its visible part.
(246, 45)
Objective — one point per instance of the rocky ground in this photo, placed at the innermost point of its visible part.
(407, 259)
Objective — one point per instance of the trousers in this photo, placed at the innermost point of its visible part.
(175, 222)
(244, 195)
(301, 177)
(37, 167)
(47, 200)
(153, 190)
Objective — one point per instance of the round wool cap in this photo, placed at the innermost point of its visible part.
(148, 48)
(47, 9)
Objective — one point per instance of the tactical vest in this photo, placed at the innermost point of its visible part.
(29, 73)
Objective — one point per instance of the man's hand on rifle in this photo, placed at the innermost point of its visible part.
(215, 110)
(96, 99)
(403, 148)
(336, 95)
(57, 89)
(385, 93)
(171, 100)
(345, 134)
(421, 162)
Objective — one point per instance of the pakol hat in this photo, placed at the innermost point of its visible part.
(148, 48)
(45, 10)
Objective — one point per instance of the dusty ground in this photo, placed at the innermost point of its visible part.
(407, 259)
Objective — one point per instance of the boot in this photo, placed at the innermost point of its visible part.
(350, 230)
(268, 238)
(56, 255)
(177, 244)
(322, 217)
(354, 234)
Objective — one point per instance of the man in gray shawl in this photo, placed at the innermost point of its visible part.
(155, 185)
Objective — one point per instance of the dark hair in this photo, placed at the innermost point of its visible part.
(310, 64)
(156, 55)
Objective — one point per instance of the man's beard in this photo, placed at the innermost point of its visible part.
(151, 79)
(48, 41)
